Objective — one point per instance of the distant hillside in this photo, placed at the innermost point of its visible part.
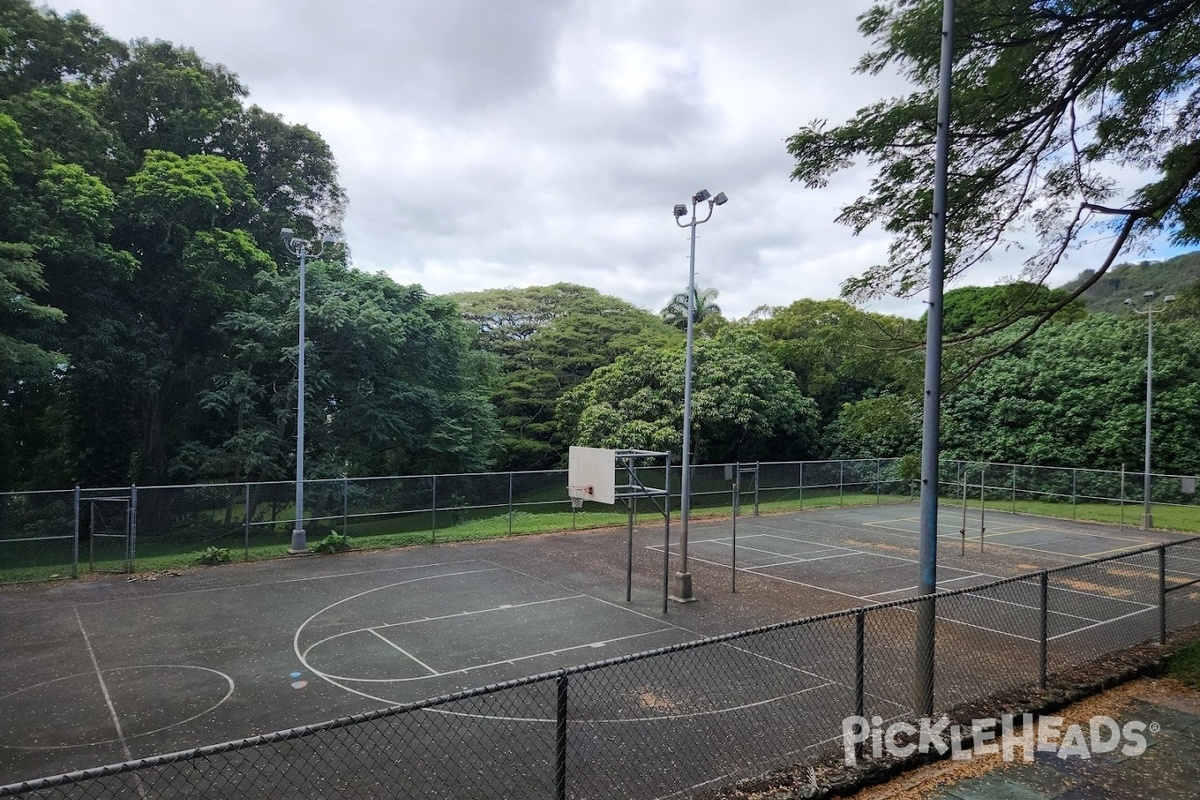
(1174, 276)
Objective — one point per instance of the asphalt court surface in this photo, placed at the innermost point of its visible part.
(870, 555)
(105, 670)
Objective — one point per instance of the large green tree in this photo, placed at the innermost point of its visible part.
(840, 353)
(1069, 121)
(546, 339)
(745, 405)
(392, 386)
(1075, 396)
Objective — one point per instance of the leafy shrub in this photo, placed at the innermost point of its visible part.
(213, 555)
(333, 543)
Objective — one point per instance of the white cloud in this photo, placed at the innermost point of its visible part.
(486, 144)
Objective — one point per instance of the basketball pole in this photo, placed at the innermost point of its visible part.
(927, 566)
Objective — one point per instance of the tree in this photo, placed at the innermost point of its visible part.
(839, 353)
(675, 312)
(1051, 101)
(1075, 396)
(745, 405)
(391, 388)
(546, 339)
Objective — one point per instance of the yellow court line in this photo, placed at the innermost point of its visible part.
(883, 523)
(995, 532)
(1099, 553)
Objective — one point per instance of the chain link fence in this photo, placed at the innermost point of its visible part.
(58, 534)
(682, 719)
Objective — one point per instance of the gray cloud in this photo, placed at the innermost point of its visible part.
(487, 144)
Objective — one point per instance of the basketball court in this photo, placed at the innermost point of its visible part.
(105, 670)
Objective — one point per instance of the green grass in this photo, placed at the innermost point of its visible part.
(1171, 518)
(24, 563)
(1185, 665)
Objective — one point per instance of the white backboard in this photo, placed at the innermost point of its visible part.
(594, 470)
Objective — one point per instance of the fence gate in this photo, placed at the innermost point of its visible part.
(110, 534)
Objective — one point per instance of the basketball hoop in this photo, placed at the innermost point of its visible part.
(578, 494)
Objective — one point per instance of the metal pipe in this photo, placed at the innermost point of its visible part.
(927, 558)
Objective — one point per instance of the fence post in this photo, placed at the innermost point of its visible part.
(1122, 497)
(842, 483)
(510, 503)
(1074, 491)
(433, 513)
(860, 641)
(560, 741)
(1162, 594)
(131, 541)
(345, 506)
(1043, 627)
(756, 477)
(878, 476)
(1014, 488)
(75, 551)
(801, 485)
(246, 527)
(733, 555)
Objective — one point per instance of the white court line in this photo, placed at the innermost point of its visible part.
(418, 661)
(910, 588)
(511, 661)
(112, 711)
(1101, 622)
(1029, 608)
(385, 626)
(504, 607)
(137, 779)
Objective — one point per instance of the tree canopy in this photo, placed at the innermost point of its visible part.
(1069, 122)
(745, 405)
(546, 339)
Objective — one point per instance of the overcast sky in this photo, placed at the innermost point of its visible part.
(492, 143)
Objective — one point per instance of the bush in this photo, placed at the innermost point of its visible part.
(333, 543)
(213, 555)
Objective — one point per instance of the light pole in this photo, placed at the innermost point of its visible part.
(1147, 517)
(300, 248)
(683, 578)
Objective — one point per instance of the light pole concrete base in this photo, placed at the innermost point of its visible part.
(683, 588)
(299, 543)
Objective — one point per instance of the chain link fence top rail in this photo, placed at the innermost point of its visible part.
(56, 534)
(692, 716)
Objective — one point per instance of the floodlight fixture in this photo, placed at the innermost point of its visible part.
(287, 234)
(701, 196)
(327, 238)
(720, 199)
(1169, 298)
(1148, 295)
(680, 210)
(1127, 301)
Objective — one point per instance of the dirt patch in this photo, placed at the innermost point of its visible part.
(1096, 588)
(652, 700)
(888, 548)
